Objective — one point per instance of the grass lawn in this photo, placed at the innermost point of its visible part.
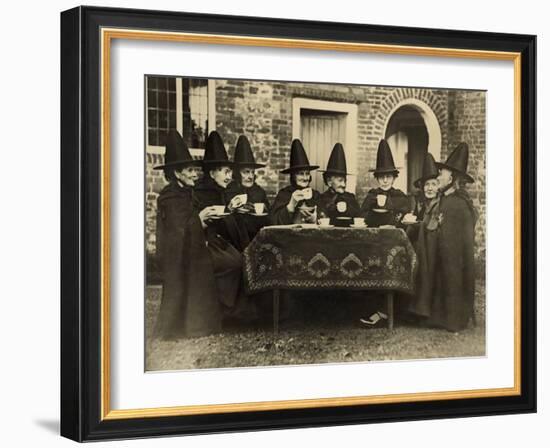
(322, 337)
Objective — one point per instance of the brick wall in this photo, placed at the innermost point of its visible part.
(263, 112)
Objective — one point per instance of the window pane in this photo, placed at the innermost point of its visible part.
(163, 100)
(153, 119)
(162, 109)
(152, 98)
(195, 108)
(172, 84)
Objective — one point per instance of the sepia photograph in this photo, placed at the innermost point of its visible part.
(292, 223)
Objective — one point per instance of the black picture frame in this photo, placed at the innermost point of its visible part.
(81, 208)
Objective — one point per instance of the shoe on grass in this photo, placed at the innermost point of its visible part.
(374, 319)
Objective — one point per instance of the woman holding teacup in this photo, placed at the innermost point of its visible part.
(212, 192)
(189, 304)
(225, 238)
(385, 205)
(340, 205)
(426, 198)
(253, 214)
(297, 203)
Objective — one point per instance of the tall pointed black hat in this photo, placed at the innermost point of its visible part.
(214, 152)
(429, 170)
(458, 161)
(177, 153)
(244, 157)
(337, 161)
(384, 160)
(298, 159)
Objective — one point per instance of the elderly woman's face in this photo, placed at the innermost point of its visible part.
(247, 177)
(430, 188)
(188, 175)
(222, 176)
(302, 178)
(337, 183)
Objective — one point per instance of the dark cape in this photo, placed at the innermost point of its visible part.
(330, 198)
(226, 239)
(279, 212)
(189, 304)
(424, 236)
(397, 204)
(455, 273)
(256, 194)
(446, 262)
(208, 193)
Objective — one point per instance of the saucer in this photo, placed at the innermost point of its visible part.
(380, 210)
(362, 226)
(255, 214)
(327, 226)
(220, 215)
(308, 226)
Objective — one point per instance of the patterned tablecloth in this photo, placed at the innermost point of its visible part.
(293, 257)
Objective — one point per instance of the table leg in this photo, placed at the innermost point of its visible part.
(276, 296)
(389, 299)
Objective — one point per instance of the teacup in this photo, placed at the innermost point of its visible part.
(359, 222)
(307, 193)
(381, 200)
(324, 222)
(219, 209)
(259, 208)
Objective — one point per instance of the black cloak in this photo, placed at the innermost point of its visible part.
(189, 304)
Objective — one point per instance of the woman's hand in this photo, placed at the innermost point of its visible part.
(309, 214)
(297, 196)
(206, 214)
(246, 208)
(235, 203)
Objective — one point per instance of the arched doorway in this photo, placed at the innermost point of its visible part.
(411, 130)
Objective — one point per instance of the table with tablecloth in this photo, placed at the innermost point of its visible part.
(312, 258)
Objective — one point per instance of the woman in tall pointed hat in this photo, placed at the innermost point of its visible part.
(428, 187)
(457, 163)
(254, 214)
(212, 191)
(297, 202)
(453, 297)
(337, 202)
(424, 236)
(189, 304)
(226, 239)
(384, 205)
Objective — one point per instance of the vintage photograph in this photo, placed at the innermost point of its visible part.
(292, 223)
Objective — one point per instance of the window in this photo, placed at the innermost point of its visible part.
(195, 111)
(177, 103)
(161, 108)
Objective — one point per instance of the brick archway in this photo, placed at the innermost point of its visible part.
(431, 107)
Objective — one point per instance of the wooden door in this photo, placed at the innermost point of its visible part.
(320, 131)
(399, 145)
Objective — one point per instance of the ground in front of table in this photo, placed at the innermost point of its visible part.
(325, 337)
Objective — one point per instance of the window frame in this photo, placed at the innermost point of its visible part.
(211, 111)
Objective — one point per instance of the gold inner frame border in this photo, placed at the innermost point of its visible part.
(109, 34)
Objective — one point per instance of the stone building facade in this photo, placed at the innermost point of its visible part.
(271, 114)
